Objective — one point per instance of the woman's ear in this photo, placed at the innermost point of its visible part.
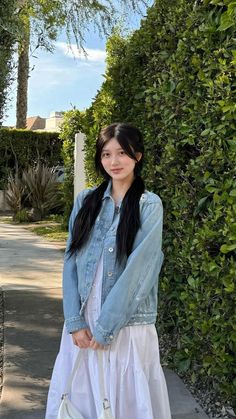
(138, 155)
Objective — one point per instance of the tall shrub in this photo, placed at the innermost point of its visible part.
(175, 79)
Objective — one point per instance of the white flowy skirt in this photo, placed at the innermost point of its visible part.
(134, 379)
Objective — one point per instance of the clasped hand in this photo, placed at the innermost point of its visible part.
(84, 339)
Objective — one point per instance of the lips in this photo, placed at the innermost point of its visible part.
(115, 170)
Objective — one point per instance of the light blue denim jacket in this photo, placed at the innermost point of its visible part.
(129, 290)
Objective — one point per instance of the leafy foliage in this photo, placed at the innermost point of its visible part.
(37, 189)
(15, 194)
(22, 216)
(20, 149)
(48, 18)
(43, 190)
(40, 22)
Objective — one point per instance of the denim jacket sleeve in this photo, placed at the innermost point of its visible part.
(139, 276)
(71, 299)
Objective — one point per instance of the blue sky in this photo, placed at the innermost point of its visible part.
(62, 80)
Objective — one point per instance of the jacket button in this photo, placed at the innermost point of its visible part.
(110, 249)
(109, 274)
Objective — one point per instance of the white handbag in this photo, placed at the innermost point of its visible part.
(67, 410)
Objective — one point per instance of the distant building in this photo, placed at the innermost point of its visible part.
(54, 121)
(45, 124)
(35, 122)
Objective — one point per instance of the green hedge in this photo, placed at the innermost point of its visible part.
(175, 79)
(22, 148)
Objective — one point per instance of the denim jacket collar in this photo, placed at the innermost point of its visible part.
(107, 193)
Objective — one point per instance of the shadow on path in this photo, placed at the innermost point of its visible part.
(33, 323)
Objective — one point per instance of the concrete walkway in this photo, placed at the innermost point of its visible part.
(30, 277)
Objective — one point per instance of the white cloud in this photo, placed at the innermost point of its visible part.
(95, 55)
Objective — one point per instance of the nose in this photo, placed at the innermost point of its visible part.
(114, 160)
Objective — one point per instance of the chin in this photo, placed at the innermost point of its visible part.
(120, 176)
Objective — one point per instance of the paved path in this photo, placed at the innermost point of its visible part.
(30, 277)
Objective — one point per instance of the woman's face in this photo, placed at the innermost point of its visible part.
(116, 162)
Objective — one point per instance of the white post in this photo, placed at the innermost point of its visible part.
(79, 172)
(3, 204)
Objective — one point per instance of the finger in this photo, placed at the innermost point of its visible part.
(89, 334)
(93, 345)
(87, 341)
(75, 342)
(96, 345)
(82, 346)
(99, 346)
(80, 343)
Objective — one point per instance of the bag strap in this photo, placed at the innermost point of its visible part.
(101, 377)
(72, 376)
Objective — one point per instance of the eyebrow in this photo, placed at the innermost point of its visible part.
(107, 149)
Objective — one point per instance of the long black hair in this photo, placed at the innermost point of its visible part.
(131, 141)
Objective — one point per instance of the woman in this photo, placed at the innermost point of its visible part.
(110, 282)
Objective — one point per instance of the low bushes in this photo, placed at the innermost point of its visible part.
(20, 149)
(37, 191)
